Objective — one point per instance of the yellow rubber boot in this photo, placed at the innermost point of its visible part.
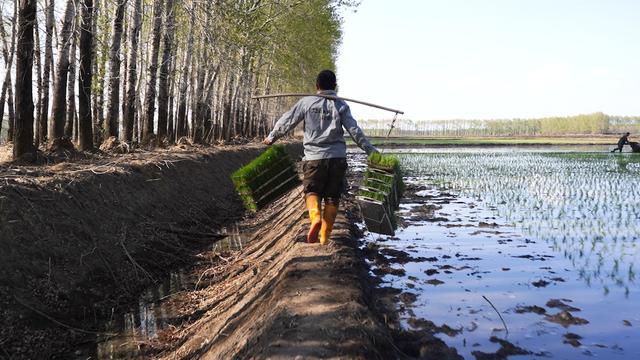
(328, 219)
(313, 206)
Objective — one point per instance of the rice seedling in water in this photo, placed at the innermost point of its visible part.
(585, 205)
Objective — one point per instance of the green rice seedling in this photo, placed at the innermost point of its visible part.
(265, 178)
(261, 163)
(372, 194)
(389, 163)
(387, 169)
(381, 176)
(378, 185)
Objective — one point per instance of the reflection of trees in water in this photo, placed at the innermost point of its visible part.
(143, 321)
(586, 205)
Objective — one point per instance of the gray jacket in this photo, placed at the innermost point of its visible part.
(323, 123)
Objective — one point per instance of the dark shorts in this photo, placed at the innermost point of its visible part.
(325, 177)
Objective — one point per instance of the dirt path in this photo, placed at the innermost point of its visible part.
(284, 298)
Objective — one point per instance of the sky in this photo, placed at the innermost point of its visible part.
(489, 59)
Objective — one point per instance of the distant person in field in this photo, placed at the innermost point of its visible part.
(624, 140)
(325, 151)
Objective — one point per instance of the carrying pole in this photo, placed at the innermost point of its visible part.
(330, 97)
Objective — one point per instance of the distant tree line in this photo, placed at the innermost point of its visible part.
(79, 72)
(589, 124)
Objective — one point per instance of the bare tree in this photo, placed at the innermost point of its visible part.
(131, 96)
(181, 120)
(38, 63)
(101, 36)
(152, 75)
(85, 123)
(111, 123)
(57, 122)
(8, 53)
(23, 136)
(165, 66)
(46, 72)
(70, 118)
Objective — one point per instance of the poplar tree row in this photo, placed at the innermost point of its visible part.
(150, 72)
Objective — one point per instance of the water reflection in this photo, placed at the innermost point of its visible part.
(235, 239)
(143, 322)
(152, 313)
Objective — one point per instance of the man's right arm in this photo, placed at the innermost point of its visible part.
(286, 123)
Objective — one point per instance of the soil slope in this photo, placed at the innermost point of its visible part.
(78, 238)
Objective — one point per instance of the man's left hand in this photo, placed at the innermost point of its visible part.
(266, 141)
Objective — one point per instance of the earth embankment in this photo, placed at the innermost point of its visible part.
(79, 238)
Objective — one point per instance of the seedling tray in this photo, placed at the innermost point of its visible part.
(380, 192)
(377, 215)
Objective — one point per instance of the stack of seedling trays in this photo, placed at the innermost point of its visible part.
(270, 175)
(380, 193)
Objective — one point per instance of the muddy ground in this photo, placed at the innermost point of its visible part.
(83, 238)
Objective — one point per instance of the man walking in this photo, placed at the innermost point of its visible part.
(622, 142)
(325, 151)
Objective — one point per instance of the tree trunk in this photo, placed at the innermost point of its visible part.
(150, 95)
(85, 123)
(207, 108)
(130, 103)
(8, 54)
(3, 98)
(111, 123)
(8, 60)
(171, 131)
(11, 106)
(196, 115)
(57, 122)
(165, 66)
(46, 72)
(99, 69)
(71, 89)
(181, 120)
(124, 66)
(23, 136)
(38, 62)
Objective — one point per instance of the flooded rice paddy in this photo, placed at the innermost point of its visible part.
(549, 237)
